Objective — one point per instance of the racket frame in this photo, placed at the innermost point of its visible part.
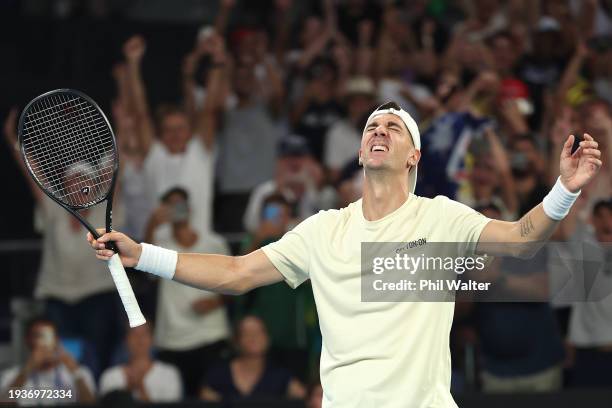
(73, 209)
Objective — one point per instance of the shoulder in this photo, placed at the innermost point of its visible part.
(443, 206)
(445, 202)
(196, 146)
(111, 373)
(8, 375)
(157, 150)
(333, 216)
(165, 369)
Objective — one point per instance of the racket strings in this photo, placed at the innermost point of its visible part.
(69, 148)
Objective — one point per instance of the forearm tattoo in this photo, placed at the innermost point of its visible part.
(526, 226)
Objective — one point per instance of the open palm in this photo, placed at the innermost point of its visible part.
(579, 168)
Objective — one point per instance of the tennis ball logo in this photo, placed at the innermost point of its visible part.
(85, 190)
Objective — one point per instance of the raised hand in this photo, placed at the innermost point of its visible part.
(10, 128)
(578, 169)
(134, 48)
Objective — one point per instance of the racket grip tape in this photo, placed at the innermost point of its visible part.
(126, 293)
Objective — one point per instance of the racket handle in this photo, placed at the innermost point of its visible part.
(130, 304)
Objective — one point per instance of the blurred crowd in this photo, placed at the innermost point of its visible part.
(267, 133)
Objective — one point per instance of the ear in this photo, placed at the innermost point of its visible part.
(360, 159)
(413, 158)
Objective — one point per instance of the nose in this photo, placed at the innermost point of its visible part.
(380, 131)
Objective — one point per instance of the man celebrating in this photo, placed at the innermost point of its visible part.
(375, 354)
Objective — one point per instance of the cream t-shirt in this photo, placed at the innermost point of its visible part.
(376, 354)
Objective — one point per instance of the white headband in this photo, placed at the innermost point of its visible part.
(408, 121)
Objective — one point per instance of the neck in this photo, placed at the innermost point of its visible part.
(383, 193)
(252, 362)
(184, 235)
(141, 359)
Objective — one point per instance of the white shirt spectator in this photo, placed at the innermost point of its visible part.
(177, 326)
(342, 144)
(192, 170)
(67, 271)
(57, 378)
(162, 382)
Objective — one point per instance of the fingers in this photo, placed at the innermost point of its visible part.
(592, 152)
(567, 146)
(596, 162)
(100, 244)
(111, 236)
(104, 254)
(588, 137)
(590, 148)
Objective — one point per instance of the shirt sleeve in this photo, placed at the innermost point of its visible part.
(464, 224)
(291, 254)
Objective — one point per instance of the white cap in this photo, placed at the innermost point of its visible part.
(413, 129)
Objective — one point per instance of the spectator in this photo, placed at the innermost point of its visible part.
(350, 183)
(147, 379)
(591, 319)
(297, 177)
(528, 171)
(250, 375)
(184, 152)
(243, 161)
(343, 139)
(446, 141)
(289, 315)
(80, 296)
(191, 328)
(490, 179)
(592, 117)
(520, 342)
(48, 367)
(319, 106)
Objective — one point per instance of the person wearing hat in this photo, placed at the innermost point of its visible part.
(380, 354)
(297, 177)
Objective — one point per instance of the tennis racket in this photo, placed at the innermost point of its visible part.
(69, 149)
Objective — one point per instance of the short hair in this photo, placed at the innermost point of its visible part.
(602, 205)
(389, 105)
(396, 106)
(38, 320)
(175, 190)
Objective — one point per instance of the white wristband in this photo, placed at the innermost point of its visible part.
(558, 201)
(157, 260)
